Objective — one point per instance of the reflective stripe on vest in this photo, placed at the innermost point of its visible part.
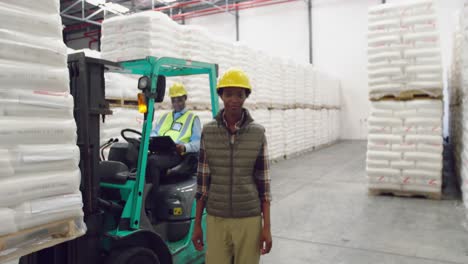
(179, 130)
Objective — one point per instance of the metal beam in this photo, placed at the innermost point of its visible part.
(237, 23)
(95, 13)
(82, 20)
(311, 50)
(71, 6)
(217, 6)
(82, 9)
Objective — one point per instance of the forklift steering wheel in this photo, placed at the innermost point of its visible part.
(130, 140)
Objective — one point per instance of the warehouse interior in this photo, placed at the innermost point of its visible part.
(362, 101)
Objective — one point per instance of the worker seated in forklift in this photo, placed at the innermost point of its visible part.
(184, 128)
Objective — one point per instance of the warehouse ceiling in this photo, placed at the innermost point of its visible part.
(80, 14)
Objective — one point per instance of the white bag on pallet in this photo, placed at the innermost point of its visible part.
(39, 24)
(413, 148)
(33, 77)
(7, 217)
(14, 131)
(38, 152)
(33, 186)
(48, 210)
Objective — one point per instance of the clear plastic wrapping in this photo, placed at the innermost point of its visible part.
(30, 240)
(40, 201)
(403, 46)
(403, 140)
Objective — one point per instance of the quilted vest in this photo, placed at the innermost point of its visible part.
(233, 192)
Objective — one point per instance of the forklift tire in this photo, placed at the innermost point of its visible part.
(135, 255)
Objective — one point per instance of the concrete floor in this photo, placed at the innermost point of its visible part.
(321, 214)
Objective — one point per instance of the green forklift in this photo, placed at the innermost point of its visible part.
(125, 224)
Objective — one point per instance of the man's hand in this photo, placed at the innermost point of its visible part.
(197, 238)
(180, 149)
(266, 241)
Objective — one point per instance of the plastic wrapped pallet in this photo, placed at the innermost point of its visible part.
(405, 146)
(196, 44)
(121, 118)
(139, 35)
(38, 153)
(290, 131)
(319, 89)
(277, 143)
(309, 85)
(280, 85)
(262, 116)
(404, 50)
(121, 86)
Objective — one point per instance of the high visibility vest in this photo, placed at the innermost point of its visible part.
(180, 130)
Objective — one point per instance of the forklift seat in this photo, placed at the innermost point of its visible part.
(182, 171)
(113, 172)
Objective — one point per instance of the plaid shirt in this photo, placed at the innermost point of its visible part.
(261, 171)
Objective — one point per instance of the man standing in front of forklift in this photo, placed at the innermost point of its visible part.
(184, 127)
(233, 180)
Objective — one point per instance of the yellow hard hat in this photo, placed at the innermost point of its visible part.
(234, 77)
(176, 90)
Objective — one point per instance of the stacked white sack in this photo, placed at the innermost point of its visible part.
(139, 35)
(121, 118)
(278, 83)
(309, 85)
(265, 75)
(278, 134)
(288, 124)
(196, 44)
(319, 89)
(205, 116)
(262, 117)
(119, 85)
(289, 88)
(404, 50)
(38, 153)
(198, 89)
(300, 85)
(309, 141)
(223, 52)
(245, 58)
(405, 146)
(300, 128)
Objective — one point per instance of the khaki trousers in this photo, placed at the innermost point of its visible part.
(233, 237)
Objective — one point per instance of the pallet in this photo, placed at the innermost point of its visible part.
(407, 194)
(278, 107)
(133, 104)
(408, 95)
(24, 242)
(121, 102)
(262, 105)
